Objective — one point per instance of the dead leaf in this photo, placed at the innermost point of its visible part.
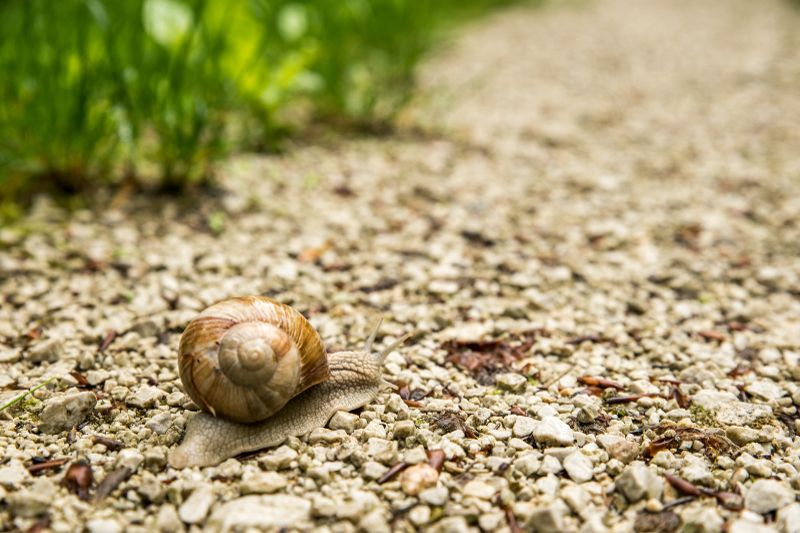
(79, 478)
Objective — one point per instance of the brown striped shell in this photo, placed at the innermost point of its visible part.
(243, 358)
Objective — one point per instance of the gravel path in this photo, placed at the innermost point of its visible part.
(598, 252)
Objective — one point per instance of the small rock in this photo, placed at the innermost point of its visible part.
(129, 458)
(748, 525)
(742, 413)
(492, 521)
(741, 435)
(415, 455)
(578, 467)
(28, 503)
(547, 520)
(404, 428)
(417, 478)
(373, 470)
(46, 351)
(524, 426)
(160, 423)
(326, 436)
(375, 521)
(701, 519)
(552, 430)
(375, 430)
(511, 382)
(344, 420)
(13, 474)
(478, 489)
(261, 513)
(765, 389)
(619, 447)
(103, 525)
(382, 450)
(638, 482)
(437, 496)
(451, 524)
(63, 412)
(167, 520)
(280, 458)
(419, 515)
(788, 518)
(197, 505)
(155, 458)
(146, 397)
(550, 465)
(263, 483)
(767, 495)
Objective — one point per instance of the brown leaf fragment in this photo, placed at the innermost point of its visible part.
(682, 485)
(485, 358)
(452, 421)
(627, 399)
(517, 410)
(111, 444)
(436, 459)
(590, 338)
(683, 500)
(80, 378)
(681, 399)
(312, 255)
(382, 285)
(730, 500)
(602, 383)
(393, 471)
(111, 482)
(79, 478)
(663, 522)
(107, 340)
(663, 443)
(739, 370)
(711, 335)
(511, 520)
(40, 466)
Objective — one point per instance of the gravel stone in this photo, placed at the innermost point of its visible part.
(547, 520)
(103, 525)
(13, 474)
(788, 518)
(578, 467)
(281, 458)
(260, 512)
(404, 428)
(63, 412)
(146, 397)
(28, 504)
(436, 496)
(766, 495)
(524, 426)
(701, 520)
(197, 505)
(48, 351)
(638, 482)
(511, 382)
(552, 430)
(478, 489)
(263, 483)
(345, 421)
(168, 519)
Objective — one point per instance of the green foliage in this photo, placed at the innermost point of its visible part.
(95, 91)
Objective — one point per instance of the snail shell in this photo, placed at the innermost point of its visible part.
(244, 358)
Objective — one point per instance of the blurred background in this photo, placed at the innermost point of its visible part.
(154, 92)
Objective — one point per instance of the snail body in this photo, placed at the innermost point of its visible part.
(258, 371)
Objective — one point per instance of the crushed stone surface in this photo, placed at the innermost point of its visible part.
(596, 246)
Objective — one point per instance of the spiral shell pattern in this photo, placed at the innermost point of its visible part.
(243, 358)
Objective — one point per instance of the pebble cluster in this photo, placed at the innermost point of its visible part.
(599, 259)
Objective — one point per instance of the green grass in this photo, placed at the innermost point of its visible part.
(94, 92)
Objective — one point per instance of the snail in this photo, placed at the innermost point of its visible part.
(259, 373)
